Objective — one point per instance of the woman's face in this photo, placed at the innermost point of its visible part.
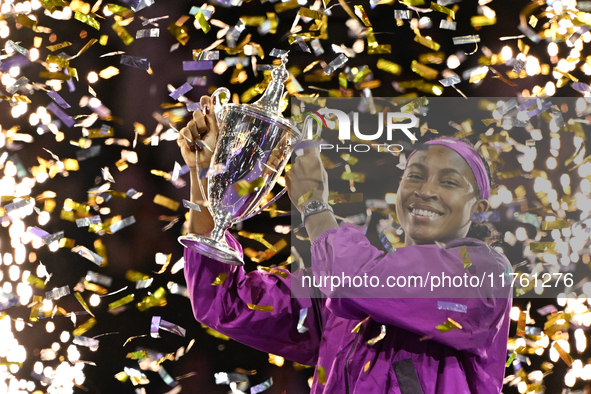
(436, 197)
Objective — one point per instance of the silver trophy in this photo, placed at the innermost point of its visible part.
(253, 147)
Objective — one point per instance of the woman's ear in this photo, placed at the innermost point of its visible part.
(481, 206)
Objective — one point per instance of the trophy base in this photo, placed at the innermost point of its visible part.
(213, 249)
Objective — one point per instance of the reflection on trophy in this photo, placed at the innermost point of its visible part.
(253, 147)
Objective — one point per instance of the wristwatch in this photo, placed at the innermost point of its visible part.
(315, 206)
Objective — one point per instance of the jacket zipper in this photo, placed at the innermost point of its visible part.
(347, 361)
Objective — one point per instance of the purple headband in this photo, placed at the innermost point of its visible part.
(472, 158)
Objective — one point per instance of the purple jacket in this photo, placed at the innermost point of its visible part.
(412, 357)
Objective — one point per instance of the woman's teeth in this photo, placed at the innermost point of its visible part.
(422, 212)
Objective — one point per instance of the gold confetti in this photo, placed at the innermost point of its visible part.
(428, 42)
(540, 247)
(108, 72)
(555, 225)
(89, 20)
(513, 355)
(567, 358)
(166, 202)
(220, 279)
(444, 10)
(215, 333)
(122, 301)
(389, 66)
(481, 20)
(321, 374)
(122, 33)
(81, 329)
(424, 71)
(83, 303)
(304, 197)
(35, 281)
(465, 257)
(521, 324)
(290, 5)
(203, 23)
(509, 174)
(448, 326)
(156, 299)
(265, 308)
(275, 271)
(56, 47)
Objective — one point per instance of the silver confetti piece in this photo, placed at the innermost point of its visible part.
(402, 14)
(317, 47)
(175, 288)
(17, 85)
(85, 222)
(336, 63)
(447, 25)
(57, 293)
(91, 343)
(144, 33)
(453, 80)
(53, 237)
(128, 221)
(278, 52)
(144, 283)
(261, 386)
(88, 254)
(97, 278)
(208, 55)
(303, 313)
(471, 39)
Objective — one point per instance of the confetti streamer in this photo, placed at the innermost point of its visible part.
(380, 336)
(146, 33)
(83, 303)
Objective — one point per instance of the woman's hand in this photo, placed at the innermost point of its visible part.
(198, 138)
(307, 175)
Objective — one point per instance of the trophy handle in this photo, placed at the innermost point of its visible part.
(217, 109)
(282, 192)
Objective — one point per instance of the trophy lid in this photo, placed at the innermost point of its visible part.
(271, 99)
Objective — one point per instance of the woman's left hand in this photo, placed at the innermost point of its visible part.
(307, 175)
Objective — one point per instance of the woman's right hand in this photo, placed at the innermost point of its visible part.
(198, 138)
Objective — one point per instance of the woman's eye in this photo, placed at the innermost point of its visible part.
(452, 183)
(414, 176)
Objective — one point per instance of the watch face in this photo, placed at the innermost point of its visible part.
(314, 205)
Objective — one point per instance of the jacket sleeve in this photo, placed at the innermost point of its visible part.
(345, 252)
(256, 309)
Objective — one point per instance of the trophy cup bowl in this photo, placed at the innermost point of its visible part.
(254, 145)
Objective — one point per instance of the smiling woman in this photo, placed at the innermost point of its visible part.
(442, 188)
(431, 317)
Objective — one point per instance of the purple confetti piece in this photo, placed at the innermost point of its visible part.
(452, 306)
(154, 326)
(199, 81)
(137, 62)
(37, 232)
(581, 87)
(181, 91)
(197, 65)
(58, 99)
(64, 117)
(171, 327)
(192, 107)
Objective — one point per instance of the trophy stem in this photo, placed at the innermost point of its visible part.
(223, 220)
